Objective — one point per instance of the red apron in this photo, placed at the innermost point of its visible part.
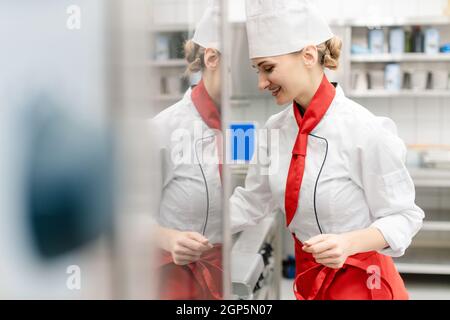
(314, 281)
(200, 280)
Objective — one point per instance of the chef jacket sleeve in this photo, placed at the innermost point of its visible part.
(388, 187)
(251, 204)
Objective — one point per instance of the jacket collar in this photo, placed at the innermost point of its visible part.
(316, 110)
(206, 107)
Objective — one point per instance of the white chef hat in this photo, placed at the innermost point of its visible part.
(207, 30)
(277, 27)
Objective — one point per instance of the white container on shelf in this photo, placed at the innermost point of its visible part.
(393, 77)
(440, 79)
(162, 47)
(419, 79)
(397, 41)
(359, 80)
(431, 41)
(376, 40)
(163, 85)
(376, 79)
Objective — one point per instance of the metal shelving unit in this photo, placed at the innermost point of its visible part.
(422, 260)
(352, 60)
(171, 18)
(422, 177)
(429, 252)
(437, 221)
(166, 68)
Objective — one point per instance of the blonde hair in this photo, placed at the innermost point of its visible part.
(194, 55)
(329, 53)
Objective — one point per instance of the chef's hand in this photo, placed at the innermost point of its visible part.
(187, 247)
(330, 250)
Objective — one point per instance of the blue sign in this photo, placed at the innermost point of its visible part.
(242, 141)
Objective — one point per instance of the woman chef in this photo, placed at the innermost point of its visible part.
(189, 231)
(337, 171)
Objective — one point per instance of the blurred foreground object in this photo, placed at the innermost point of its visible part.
(69, 178)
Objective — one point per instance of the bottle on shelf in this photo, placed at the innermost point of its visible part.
(431, 41)
(397, 41)
(376, 40)
(176, 45)
(417, 40)
(408, 41)
(392, 77)
(162, 44)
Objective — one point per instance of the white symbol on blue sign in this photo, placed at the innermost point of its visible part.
(242, 141)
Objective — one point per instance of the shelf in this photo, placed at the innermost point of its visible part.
(424, 261)
(423, 268)
(430, 177)
(436, 225)
(388, 22)
(436, 220)
(167, 63)
(438, 237)
(400, 94)
(405, 57)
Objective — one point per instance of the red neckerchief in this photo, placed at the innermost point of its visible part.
(209, 113)
(314, 113)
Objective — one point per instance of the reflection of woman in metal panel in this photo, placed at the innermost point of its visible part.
(189, 220)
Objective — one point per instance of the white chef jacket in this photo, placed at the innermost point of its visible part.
(190, 186)
(355, 177)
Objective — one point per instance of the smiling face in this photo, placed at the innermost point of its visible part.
(288, 76)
